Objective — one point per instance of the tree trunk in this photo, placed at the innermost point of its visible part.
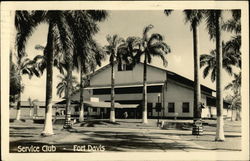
(13, 50)
(30, 111)
(238, 115)
(18, 112)
(144, 95)
(197, 91)
(219, 99)
(232, 113)
(13, 33)
(67, 123)
(112, 110)
(48, 126)
(30, 107)
(81, 113)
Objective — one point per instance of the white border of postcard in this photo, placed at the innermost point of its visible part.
(123, 5)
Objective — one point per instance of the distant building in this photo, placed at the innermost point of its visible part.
(26, 104)
(173, 91)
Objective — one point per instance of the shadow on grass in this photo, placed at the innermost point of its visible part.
(19, 121)
(117, 141)
(24, 135)
(97, 122)
(128, 122)
(23, 128)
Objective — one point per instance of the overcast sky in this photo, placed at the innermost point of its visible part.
(176, 34)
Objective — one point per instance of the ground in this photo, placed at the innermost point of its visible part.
(126, 135)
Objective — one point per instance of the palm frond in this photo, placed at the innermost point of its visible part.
(65, 36)
(39, 47)
(236, 13)
(98, 15)
(232, 26)
(194, 17)
(155, 37)
(133, 42)
(167, 12)
(206, 71)
(211, 20)
(213, 74)
(204, 59)
(160, 47)
(145, 32)
(25, 26)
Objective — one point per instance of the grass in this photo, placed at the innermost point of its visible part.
(124, 135)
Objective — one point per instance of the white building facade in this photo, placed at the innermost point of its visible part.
(174, 92)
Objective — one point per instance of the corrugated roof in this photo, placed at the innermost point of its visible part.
(98, 104)
(108, 104)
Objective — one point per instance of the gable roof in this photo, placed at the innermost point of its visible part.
(172, 75)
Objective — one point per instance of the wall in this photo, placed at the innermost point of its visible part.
(178, 94)
(25, 112)
(135, 76)
(86, 95)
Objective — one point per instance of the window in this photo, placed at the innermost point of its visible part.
(124, 67)
(77, 109)
(171, 107)
(94, 109)
(185, 107)
(150, 107)
(127, 90)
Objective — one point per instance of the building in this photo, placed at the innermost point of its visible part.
(173, 91)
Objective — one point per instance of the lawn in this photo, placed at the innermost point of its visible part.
(124, 135)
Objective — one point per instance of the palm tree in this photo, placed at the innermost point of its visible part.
(235, 101)
(236, 104)
(233, 24)
(41, 61)
(214, 22)
(231, 53)
(129, 52)
(15, 86)
(208, 61)
(235, 85)
(23, 26)
(87, 62)
(67, 29)
(214, 26)
(150, 45)
(24, 66)
(62, 85)
(83, 27)
(194, 17)
(111, 49)
(233, 46)
(30, 103)
(58, 41)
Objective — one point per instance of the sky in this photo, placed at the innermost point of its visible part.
(176, 33)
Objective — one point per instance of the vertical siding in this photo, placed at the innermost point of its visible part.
(128, 77)
(178, 94)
